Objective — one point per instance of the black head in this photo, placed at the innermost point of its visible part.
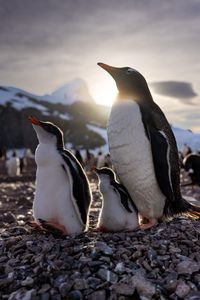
(47, 132)
(129, 82)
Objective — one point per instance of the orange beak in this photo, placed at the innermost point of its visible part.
(34, 121)
(108, 68)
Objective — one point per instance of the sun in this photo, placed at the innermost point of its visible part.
(104, 92)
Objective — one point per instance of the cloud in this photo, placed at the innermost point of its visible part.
(174, 89)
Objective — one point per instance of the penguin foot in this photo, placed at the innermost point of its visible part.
(35, 226)
(151, 223)
(53, 227)
(101, 229)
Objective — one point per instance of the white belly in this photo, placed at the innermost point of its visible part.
(132, 158)
(113, 216)
(53, 196)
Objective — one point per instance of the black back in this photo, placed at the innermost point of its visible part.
(81, 191)
(125, 197)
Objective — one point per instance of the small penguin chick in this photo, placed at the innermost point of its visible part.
(118, 212)
(62, 196)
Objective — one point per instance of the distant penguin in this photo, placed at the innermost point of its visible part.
(191, 164)
(118, 212)
(143, 149)
(12, 165)
(62, 196)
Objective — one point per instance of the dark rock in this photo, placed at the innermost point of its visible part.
(182, 289)
(107, 275)
(193, 296)
(104, 248)
(98, 295)
(188, 267)
(80, 284)
(120, 268)
(22, 294)
(74, 295)
(144, 287)
(123, 289)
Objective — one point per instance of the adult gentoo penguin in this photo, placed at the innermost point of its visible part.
(62, 196)
(118, 212)
(143, 149)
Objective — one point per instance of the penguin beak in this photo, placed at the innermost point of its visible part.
(111, 70)
(34, 121)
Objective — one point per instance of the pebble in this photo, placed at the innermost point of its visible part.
(145, 288)
(98, 295)
(107, 275)
(74, 295)
(163, 263)
(104, 248)
(120, 268)
(123, 289)
(182, 289)
(188, 267)
(22, 294)
(29, 281)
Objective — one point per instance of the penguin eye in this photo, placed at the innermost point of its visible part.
(129, 71)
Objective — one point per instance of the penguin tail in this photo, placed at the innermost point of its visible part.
(181, 207)
(193, 211)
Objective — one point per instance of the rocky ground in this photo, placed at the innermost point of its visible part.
(161, 263)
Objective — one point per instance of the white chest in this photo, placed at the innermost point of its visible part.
(131, 156)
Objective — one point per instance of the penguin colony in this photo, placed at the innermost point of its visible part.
(145, 158)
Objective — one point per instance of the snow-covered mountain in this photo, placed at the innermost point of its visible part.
(72, 107)
(76, 90)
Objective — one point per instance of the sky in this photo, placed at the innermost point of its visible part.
(44, 44)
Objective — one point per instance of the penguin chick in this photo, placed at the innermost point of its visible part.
(143, 149)
(118, 212)
(62, 196)
(12, 165)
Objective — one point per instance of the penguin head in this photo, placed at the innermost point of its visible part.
(106, 177)
(47, 132)
(130, 82)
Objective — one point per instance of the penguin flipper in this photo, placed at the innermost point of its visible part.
(80, 189)
(126, 199)
(160, 152)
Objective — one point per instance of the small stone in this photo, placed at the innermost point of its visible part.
(120, 269)
(45, 296)
(65, 287)
(188, 267)
(171, 285)
(28, 281)
(104, 248)
(98, 295)
(3, 259)
(123, 289)
(22, 294)
(80, 284)
(93, 282)
(4, 282)
(193, 296)
(74, 295)
(136, 255)
(107, 275)
(182, 289)
(8, 217)
(144, 287)
(45, 287)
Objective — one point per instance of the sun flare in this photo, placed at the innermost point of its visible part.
(104, 93)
